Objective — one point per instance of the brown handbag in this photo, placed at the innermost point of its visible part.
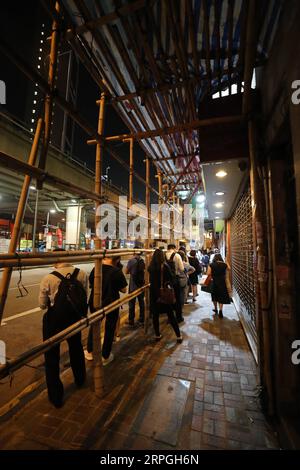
(166, 293)
(207, 280)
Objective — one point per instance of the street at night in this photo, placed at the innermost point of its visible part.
(149, 231)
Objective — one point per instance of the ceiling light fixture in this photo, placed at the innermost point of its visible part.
(219, 204)
(221, 174)
(220, 193)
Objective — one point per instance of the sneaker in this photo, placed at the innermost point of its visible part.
(108, 360)
(179, 339)
(88, 355)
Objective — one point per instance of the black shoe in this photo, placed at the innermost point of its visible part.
(57, 403)
(215, 310)
(220, 314)
(180, 320)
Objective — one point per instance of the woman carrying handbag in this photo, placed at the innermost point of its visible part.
(162, 297)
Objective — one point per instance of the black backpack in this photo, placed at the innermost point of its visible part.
(71, 298)
(139, 273)
(171, 265)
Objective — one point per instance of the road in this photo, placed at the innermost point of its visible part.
(21, 329)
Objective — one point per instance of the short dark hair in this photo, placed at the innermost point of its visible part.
(171, 246)
(218, 257)
(193, 253)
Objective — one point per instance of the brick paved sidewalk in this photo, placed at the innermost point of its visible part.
(200, 394)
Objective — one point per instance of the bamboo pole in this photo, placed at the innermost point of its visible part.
(148, 206)
(261, 277)
(160, 200)
(19, 217)
(173, 129)
(49, 96)
(131, 141)
(97, 355)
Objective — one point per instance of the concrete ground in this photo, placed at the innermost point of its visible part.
(201, 394)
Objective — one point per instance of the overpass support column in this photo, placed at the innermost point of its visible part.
(73, 219)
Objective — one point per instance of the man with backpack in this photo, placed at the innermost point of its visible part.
(64, 293)
(113, 282)
(176, 265)
(136, 269)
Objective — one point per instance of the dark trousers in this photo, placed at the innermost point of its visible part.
(109, 333)
(179, 303)
(53, 324)
(155, 310)
(141, 301)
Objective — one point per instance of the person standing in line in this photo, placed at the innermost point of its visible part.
(158, 267)
(176, 265)
(205, 261)
(136, 269)
(113, 282)
(193, 260)
(184, 278)
(218, 270)
(66, 282)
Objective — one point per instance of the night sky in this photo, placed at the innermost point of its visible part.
(22, 33)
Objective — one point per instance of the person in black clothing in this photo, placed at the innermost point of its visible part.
(219, 295)
(193, 260)
(113, 282)
(158, 259)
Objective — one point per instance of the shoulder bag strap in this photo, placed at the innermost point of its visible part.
(59, 275)
(75, 273)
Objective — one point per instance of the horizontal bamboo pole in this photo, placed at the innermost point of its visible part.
(66, 254)
(173, 129)
(45, 261)
(33, 353)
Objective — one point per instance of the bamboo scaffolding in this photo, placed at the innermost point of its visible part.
(174, 129)
(148, 206)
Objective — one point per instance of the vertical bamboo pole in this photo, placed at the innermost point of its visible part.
(261, 275)
(49, 96)
(148, 202)
(19, 217)
(160, 199)
(147, 293)
(97, 356)
(131, 141)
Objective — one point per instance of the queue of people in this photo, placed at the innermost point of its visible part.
(172, 274)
